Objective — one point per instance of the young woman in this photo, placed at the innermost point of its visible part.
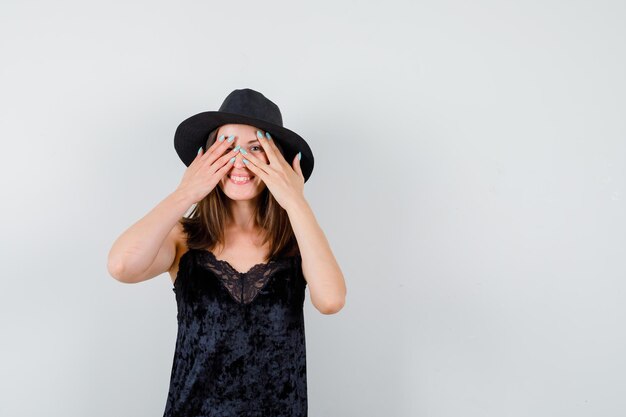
(239, 263)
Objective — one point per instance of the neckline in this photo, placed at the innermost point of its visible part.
(227, 264)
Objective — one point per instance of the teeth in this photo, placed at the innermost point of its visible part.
(239, 178)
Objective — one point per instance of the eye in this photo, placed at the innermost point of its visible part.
(258, 147)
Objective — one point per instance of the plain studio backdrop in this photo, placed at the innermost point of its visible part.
(469, 176)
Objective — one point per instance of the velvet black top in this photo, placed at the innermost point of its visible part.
(240, 349)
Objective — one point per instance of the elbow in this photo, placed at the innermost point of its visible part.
(331, 303)
(332, 307)
(116, 270)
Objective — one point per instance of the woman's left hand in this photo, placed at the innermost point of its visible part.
(285, 181)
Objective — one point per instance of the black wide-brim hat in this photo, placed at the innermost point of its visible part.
(244, 106)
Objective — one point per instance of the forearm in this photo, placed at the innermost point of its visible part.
(321, 270)
(136, 248)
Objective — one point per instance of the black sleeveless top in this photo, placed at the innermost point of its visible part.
(240, 349)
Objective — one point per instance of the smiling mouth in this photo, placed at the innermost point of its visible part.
(240, 180)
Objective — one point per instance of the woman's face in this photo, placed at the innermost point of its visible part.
(246, 138)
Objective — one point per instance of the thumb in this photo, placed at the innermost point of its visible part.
(200, 153)
(296, 163)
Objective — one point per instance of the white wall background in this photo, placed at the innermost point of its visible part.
(469, 174)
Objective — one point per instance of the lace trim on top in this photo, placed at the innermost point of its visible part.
(243, 287)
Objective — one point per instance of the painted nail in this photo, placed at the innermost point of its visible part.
(237, 148)
(243, 151)
(299, 156)
(231, 138)
(232, 159)
(199, 149)
(259, 134)
(267, 134)
(221, 138)
(245, 161)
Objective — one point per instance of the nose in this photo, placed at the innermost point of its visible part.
(239, 161)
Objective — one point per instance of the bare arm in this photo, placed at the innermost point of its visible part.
(324, 277)
(148, 247)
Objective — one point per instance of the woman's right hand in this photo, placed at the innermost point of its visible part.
(206, 170)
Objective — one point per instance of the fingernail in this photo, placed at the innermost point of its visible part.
(237, 148)
(232, 159)
(199, 149)
(267, 134)
(245, 161)
(299, 156)
(221, 138)
(231, 138)
(243, 151)
(259, 134)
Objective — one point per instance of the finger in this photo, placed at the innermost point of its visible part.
(197, 160)
(225, 160)
(197, 157)
(273, 153)
(256, 161)
(218, 149)
(277, 151)
(219, 141)
(250, 163)
(296, 165)
(227, 165)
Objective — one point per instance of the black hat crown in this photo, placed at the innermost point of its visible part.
(253, 104)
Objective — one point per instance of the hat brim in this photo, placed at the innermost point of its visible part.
(193, 132)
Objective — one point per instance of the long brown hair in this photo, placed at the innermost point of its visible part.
(204, 227)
